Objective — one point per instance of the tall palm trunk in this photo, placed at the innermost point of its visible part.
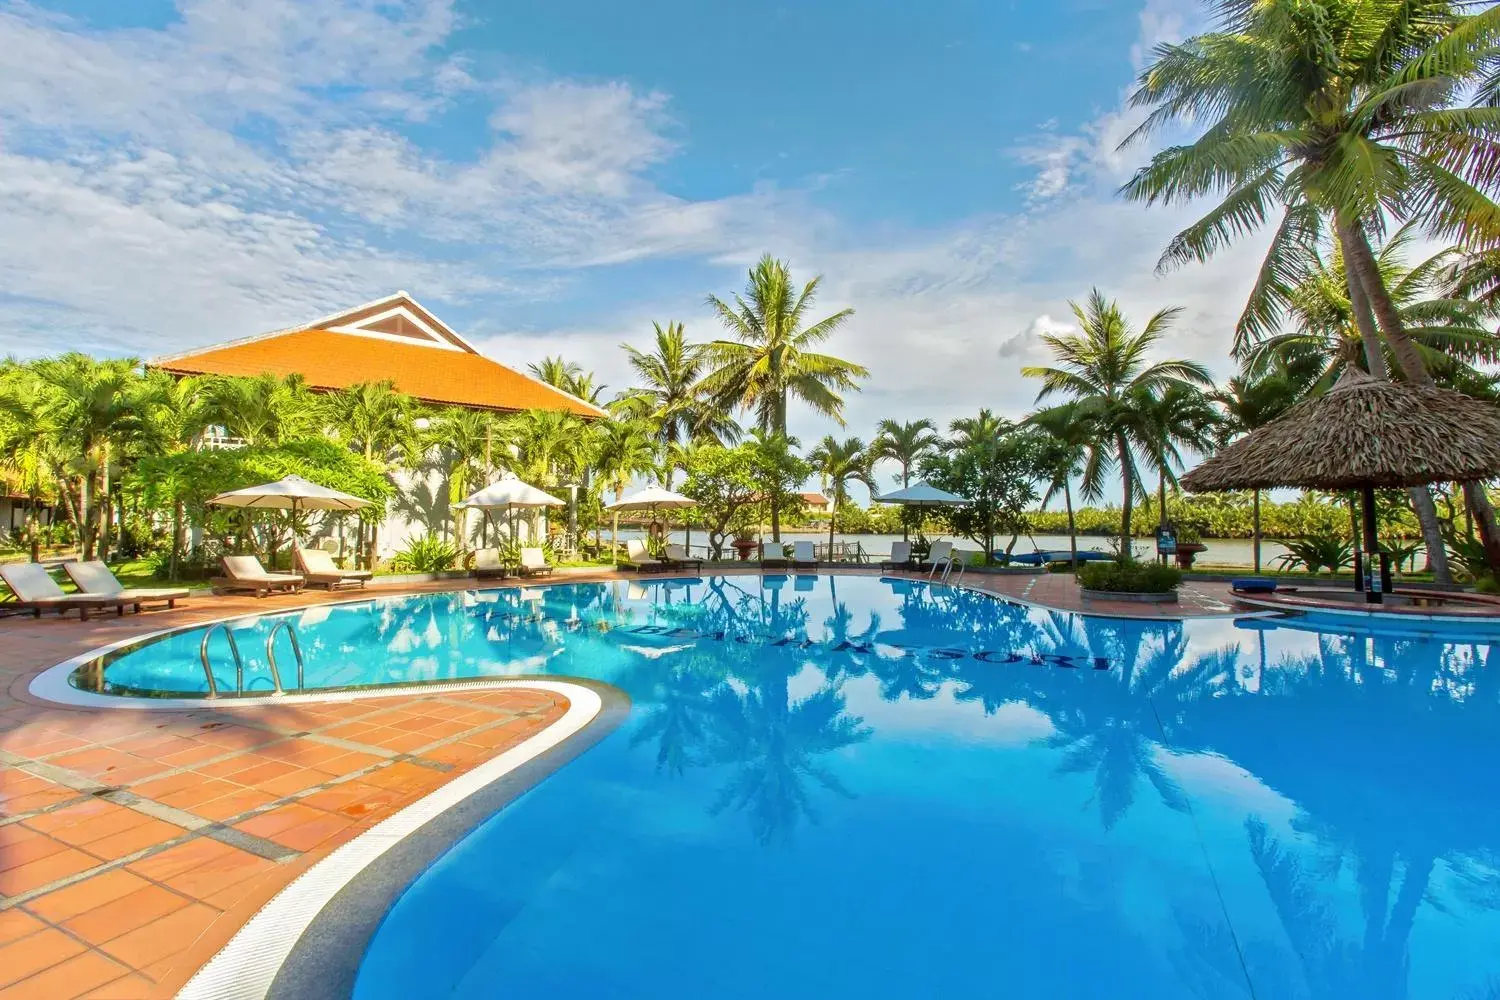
(1362, 302)
(781, 430)
(1127, 551)
(1255, 527)
(85, 536)
(833, 516)
(106, 508)
(1072, 531)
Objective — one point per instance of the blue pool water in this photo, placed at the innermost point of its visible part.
(851, 787)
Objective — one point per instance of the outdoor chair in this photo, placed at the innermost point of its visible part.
(900, 557)
(804, 556)
(679, 558)
(318, 569)
(534, 562)
(36, 592)
(940, 554)
(93, 577)
(641, 560)
(778, 561)
(487, 563)
(245, 574)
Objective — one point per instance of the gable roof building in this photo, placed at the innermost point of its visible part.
(392, 339)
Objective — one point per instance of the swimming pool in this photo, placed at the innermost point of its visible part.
(853, 787)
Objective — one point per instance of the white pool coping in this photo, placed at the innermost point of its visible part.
(246, 967)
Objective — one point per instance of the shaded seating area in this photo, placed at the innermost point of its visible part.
(639, 559)
(488, 564)
(319, 570)
(900, 557)
(678, 556)
(534, 562)
(245, 574)
(34, 590)
(95, 578)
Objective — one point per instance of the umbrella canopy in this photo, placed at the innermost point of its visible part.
(292, 493)
(510, 492)
(1364, 432)
(923, 494)
(652, 498)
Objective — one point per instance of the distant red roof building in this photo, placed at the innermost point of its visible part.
(391, 339)
(817, 501)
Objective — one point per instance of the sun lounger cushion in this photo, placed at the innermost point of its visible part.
(1253, 585)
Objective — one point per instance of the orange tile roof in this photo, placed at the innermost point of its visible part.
(329, 360)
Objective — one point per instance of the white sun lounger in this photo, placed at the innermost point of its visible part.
(318, 569)
(534, 562)
(639, 559)
(804, 555)
(245, 573)
(36, 592)
(900, 556)
(93, 577)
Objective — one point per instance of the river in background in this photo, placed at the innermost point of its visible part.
(1221, 551)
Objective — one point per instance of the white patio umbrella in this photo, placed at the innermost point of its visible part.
(653, 499)
(922, 494)
(507, 494)
(292, 493)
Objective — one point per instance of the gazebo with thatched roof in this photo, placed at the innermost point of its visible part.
(1363, 434)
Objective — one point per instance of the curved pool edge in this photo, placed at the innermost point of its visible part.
(312, 932)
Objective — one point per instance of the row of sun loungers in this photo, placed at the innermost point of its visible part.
(98, 590)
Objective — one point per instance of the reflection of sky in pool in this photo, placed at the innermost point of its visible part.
(844, 787)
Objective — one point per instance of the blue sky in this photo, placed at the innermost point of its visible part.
(550, 178)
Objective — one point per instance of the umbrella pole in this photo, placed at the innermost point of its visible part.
(1372, 549)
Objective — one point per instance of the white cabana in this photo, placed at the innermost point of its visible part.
(653, 499)
(922, 494)
(508, 494)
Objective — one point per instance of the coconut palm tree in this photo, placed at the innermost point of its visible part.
(1250, 402)
(462, 444)
(1179, 416)
(1069, 435)
(669, 393)
(373, 419)
(568, 376)
(265, 409)
(626, 449)
(905, 443)
(769, 361)
(838, 464)
(90, 406)
(1339, 113)
(1106, 371)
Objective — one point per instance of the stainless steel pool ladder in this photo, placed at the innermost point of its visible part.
(239, 661)
(234, 647)
(948, 565)
(291, 632)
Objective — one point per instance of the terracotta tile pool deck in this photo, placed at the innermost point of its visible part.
(133, 844)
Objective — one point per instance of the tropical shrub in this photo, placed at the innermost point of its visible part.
(426, 554)
(1129, 577)
(1317, 553)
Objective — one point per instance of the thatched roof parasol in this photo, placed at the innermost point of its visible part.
(1364, 432)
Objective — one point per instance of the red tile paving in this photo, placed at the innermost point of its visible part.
(125, 895)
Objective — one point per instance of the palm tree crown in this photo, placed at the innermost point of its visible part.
(1106, 369)
(905, 443)
(770, 358)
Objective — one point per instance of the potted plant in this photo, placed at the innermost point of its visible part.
(1189, 544)
(744, 543)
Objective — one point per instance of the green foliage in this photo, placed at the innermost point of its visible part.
(996, 471)
(1317, 553)
(1129, 577)
(722, 481)
(426, 554)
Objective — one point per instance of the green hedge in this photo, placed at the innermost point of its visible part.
(1129, 577)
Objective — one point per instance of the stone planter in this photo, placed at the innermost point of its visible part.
(1170, 597)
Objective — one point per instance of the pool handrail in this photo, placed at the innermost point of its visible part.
(291, 631)
(234, 647)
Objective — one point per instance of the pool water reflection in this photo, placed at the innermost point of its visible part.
(848, 787)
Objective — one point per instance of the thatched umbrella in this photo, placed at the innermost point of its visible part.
(1364, 433)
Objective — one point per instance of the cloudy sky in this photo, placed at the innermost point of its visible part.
(550, 178)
